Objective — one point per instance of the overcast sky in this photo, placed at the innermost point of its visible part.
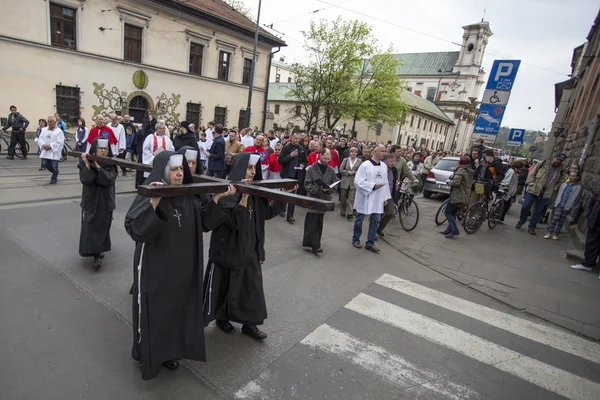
(541, 33)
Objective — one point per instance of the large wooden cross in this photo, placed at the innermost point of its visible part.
(207, 184)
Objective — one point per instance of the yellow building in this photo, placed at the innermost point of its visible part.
(183, 60)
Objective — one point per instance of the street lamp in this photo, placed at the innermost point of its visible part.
(251, 80)
(440, 80)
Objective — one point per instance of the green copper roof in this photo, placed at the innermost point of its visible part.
(417, 103)
(278, 91)
(427, 63)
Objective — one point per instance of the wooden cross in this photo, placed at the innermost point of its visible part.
(209, 184)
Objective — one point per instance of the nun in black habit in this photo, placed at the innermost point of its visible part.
(97, 202)
(233, 285)
(192, 157)
(167, 288)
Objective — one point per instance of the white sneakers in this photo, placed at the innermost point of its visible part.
(581, 267)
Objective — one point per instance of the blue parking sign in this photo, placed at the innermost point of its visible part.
(503, 74)
(489, 119)
(515, 138)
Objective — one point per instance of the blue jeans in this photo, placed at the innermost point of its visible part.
(52, 166)
(540, 204)
(373, 225)
(215, 173)
(450, 212)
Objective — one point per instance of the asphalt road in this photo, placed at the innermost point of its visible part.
(346, 325)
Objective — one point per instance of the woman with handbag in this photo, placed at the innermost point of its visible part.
(461, 183)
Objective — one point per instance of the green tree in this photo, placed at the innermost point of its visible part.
(330, 86)
(239, 6)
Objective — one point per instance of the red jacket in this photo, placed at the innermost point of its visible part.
(335, 159)
(313, 158)
(103, 133)
(264, 155)
(274, 164)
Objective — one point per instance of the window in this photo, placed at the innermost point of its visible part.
(133, 43)
(418, 92)
(193, 111)
(196, 53)
(298, 111)
(278, 78)
(247, 72)
(220, 115)
(412, 120)
(276, 108)
(224, 59)
(63, 26)
(289, 79)
(68, 103)
(419, 124)
(242, 120)
(431, 94)
(410, 89)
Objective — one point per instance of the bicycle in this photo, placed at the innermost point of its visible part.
(66, 148)
(18, 151)
(481, 210)
(440, 215)
(405, 208)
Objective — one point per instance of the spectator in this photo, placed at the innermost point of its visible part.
(316, 154)
(103, 132)
(508, 186)
(129, 137)
(273, 139)
(293, 161)
(232, 147)
(366, 153)
(185, 137)
(541, 182)
(274, 166)
(119, 132)
(51, 141)
(247, 139)
(335, 161)
(461, 183)
(60, 123)
(203, 147)
(42, 124)
(259, 148)
(592, 237)
(216, 156)
(155, 144)
(209, 131)
(490, 167)
(388, 206)
(475, 157)
(347, 188)
(479, 146)
(19, 125)
(429, 162)
(342, 147)
(568, 199)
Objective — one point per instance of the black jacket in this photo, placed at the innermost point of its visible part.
(217, 154)
(17, 122)
(188, 139)
(496, 164)
(285, 160)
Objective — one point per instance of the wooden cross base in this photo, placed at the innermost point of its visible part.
(209, 184)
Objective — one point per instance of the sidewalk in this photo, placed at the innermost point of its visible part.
(526, 272)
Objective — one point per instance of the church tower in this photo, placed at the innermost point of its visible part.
(470, 57)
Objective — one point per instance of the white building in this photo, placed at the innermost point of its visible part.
(181, 60)
(280, 72)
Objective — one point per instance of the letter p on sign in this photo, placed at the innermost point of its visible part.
(517, 134)
(504, 69)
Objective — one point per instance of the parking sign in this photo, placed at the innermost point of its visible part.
(503, 74)
(515, 138)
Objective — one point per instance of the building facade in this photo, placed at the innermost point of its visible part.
(424, 126)
(576, 127)
(280, 72)
(180, 60)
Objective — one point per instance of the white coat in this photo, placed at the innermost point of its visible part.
(55, 138)
(367, 200)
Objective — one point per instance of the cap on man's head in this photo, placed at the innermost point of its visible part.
(560, 156)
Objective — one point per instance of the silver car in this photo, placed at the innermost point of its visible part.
(439, 174)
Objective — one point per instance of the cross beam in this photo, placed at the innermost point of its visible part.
(208, 184)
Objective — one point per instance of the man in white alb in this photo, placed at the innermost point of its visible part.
(119, 132)
(247, 139)
(209, 131)
(156, 143)
(372, 191)
(51, 142)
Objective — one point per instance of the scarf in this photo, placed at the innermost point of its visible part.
(164, 143)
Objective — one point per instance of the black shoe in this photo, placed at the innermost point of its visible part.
(282, 214)
(10, 158)
(124, 173)
(53, 181)
(291, 220)
(519, 225)
(315, 252)
(531, 231)
(173, 365)
(97, 262)
(372, 249)
(253, 332)
(319, 250)
(226, 326)
(24, 157)
(380, 233)
(101, 255)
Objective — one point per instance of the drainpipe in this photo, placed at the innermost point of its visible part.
(264, 123)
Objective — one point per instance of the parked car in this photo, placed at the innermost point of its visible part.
(439, 174)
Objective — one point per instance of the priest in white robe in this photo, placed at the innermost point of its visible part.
(51, 142)
(372, 191)
(156, 143)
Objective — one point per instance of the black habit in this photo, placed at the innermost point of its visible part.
(233, 285)
(313, 222)
(97, 206)
(167, 273)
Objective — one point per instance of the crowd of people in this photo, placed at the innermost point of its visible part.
(171, 301)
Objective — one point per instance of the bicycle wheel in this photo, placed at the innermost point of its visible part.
(495, 213)
(18, 151)
(440, 216)
(409, 214)
(474, 217)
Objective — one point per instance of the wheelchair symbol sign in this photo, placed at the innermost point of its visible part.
(497, 97)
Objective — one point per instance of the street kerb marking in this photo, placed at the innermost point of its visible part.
(391, 367)
(512, 362)
(254, 389)
(547, 335)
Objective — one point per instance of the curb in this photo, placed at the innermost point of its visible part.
(561, 321)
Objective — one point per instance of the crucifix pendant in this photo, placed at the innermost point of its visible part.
(178, 216)
(250, 211)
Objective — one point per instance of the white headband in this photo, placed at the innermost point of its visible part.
(253, 159)
(191, 154)
(102, 143)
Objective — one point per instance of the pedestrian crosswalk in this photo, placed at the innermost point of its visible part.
(403, 340)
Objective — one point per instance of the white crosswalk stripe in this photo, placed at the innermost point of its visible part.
(416, 380)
